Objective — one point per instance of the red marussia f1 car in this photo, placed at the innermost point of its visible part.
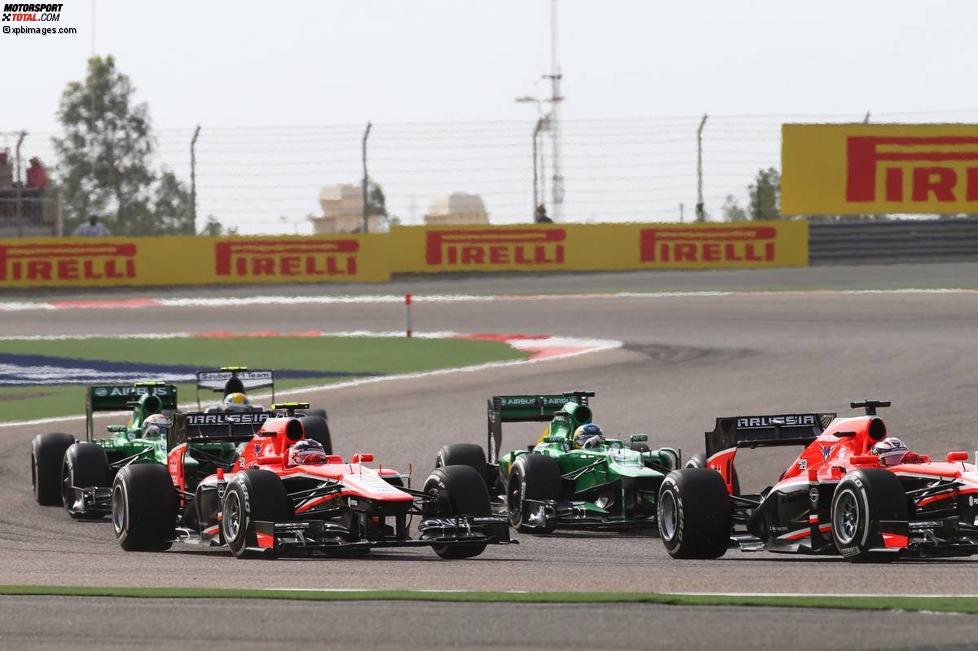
(252, 500)
(835, 498)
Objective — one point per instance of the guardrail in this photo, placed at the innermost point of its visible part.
(944, 240)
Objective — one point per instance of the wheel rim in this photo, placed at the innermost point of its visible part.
(119, 510)
(845, 521)
(232, 516)
(514, 500)
(668, 516)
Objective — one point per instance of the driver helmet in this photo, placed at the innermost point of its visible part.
(236, 402)
(306, 451)
(155, 426)
(588, 436)
(890, 451)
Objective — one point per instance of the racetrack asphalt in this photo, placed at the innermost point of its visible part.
(215, 625)
(686, 360)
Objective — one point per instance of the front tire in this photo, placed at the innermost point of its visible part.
(253, 495)
(85, 466)
(463, 454)
(533, 477)
(144, 507)
(694, 514)
(47, 455)
(862, 498)
(460, 491)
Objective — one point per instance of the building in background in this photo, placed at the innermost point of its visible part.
(342, 207)
(457, 209)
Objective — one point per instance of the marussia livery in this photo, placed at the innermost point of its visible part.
(835, 498)
(256, 502)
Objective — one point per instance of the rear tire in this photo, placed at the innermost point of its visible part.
(315, 427)
(694, 514)
(862, 498)
(699, 461)
(533, 477)
(460, 491)
(144, 507)
(251, 496)
(85, 466)
(315, 412)
(47, 455)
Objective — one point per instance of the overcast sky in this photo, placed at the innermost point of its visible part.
(318, 64)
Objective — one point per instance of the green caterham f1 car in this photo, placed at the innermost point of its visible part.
(78, 474)
(605, 484)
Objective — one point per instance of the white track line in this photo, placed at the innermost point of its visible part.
(151, 303)
(587, 346)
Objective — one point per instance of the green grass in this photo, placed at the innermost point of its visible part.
(361, 356)
(967, 605)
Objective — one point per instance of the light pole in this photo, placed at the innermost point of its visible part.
(541, 125)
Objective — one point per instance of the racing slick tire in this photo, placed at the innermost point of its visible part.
(460, 491)
(47, 455)
(144, 507)
(699, 461)
(251, 496)
(463, 454)
(694, 513)
(316, 428)
(641, 447)
(533, 477)
(315, 412)
(85, 465)
(860, 499)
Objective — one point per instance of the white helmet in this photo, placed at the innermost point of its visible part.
(306, 451)
(155, 426)
(890, 451)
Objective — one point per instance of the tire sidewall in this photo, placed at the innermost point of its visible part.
(239, 488)
(669, 490)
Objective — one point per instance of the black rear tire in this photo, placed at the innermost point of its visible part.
(315, 412)
(699, 461)
(144, 507)
(694, 513)
(85, 466)
(460, 491)
(251, 496)
(861, 498)
(47, 455)
(316, 428)
(463, 454)
(533, 477)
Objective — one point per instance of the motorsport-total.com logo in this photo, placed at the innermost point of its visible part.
(29, 13)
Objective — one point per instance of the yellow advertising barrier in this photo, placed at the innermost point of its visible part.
(846, 169)
(146, 261)
(597, 247)
(103, 262)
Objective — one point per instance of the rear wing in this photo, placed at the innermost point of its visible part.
(200, 427)
(765, 431)
(526, 409)
(118, 397)
(234, 379)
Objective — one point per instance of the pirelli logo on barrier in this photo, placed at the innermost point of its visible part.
(719, 246)
(286, 258)
(62, 263)
(873, 169)
(496, 248)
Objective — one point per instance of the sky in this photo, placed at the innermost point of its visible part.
(283, 90)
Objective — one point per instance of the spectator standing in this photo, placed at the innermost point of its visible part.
(94, 228)
(37, 177)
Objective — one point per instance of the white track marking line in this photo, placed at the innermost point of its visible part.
(21, 306)
(586, 346)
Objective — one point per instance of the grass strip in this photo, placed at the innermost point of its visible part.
(968, 605)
